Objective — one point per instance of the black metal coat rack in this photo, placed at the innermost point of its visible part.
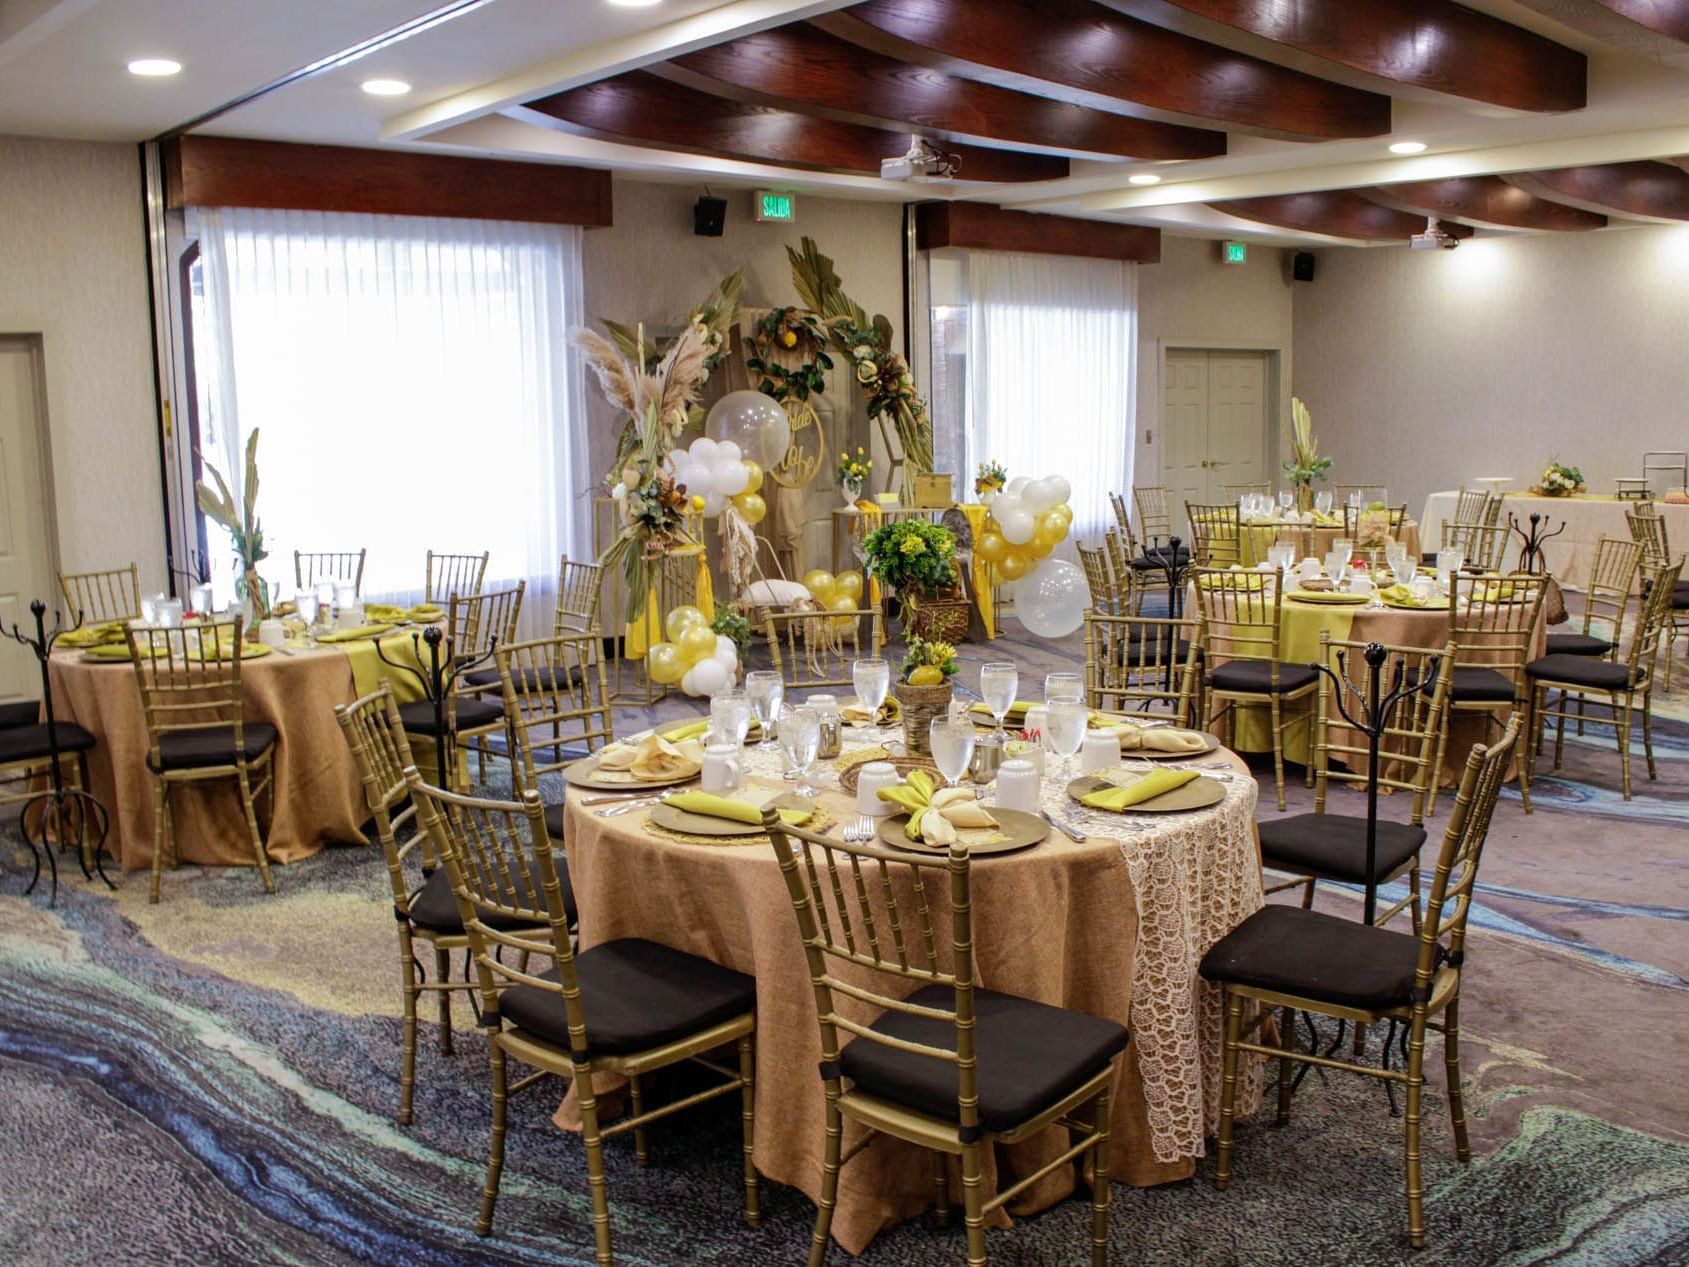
(437, 680)
(1531, 543)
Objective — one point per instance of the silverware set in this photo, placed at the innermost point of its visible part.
(1063, 826)
(860, 830)
(627, 804)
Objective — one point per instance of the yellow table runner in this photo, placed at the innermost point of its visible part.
(648, 629)
(368, 668)
(1299, 629)
(976, 513)
(872, 518)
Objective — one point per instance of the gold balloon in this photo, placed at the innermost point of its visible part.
(1048, 530)
(849, 584)
(664, 664)
(752, 507)
(991, 547)
(1038, 549)
(842, 603)
(1013, 565)
(1065, 513)
(754, 470)
(819, 582)
(680, 618)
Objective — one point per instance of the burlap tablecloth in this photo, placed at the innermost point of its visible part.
(1114, 926)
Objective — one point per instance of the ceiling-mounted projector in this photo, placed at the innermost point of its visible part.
(924, 161)
(1435, 238)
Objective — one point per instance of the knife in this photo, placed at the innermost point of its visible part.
(1063, 828)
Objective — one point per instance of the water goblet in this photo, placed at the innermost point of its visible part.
(800, 738)
(998, 683)
(1065, 732)
(730, 716)
(1059, 687)
(765, 689)
(1322, 501)
(1286, 499)
(1344, 548)
(871, 677)
(952, 741)
(1403, 569)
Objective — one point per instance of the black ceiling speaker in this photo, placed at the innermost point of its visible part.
(708, 217)
(1302, 266)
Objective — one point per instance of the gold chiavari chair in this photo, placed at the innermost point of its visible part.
(1155, 516)
(579, 591)
(1485, 546)
(1492, 623)
(627, 1006)
(475, 625)
(1492, 510)
(26, 758)
(953, 1067)
(1141, 664)
(197, 728)
(1355, 518)
(454, 574)
(1098, 578)
(1322, 846)
(311, 566)
(813, 649)
(1130, 580)
(1648, 530)
(1298, 960)
(1617, 684)
(98, 597)
(1216, 534)
(1240, 644)
(1606, 601)
(1471, 506)
(1123, 519)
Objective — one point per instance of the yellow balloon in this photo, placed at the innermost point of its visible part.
(848, 584)
(752, 507)
(1048, 530)
(990, 546)
(842, 603)
(663, 663)
(680, 618)
(819, 582)
(754, 470)
(697, 642)
(1038, 549)
(1065, 512)
(1013, 565)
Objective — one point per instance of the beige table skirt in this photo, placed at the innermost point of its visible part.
(1101, 927)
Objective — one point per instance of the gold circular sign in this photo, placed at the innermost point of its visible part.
(807, 449)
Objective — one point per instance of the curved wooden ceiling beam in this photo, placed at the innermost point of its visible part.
(1433, 45)
(1338, 213)
(803, 68)
(1653, 191)
(1081, 52)
(640, 108)
(1484, 200)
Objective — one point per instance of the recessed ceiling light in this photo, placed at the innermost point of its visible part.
(386, 87)
(154, 67)
(1408, 147)
(1143, 178)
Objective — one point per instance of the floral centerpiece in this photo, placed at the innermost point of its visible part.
(917, 559)
(1305, 464)
(244, 531)
(781, 337)
(990, 478)
(853, 473)
(923, 689)
(1558, 480)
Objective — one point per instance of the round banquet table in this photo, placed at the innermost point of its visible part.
(1314, 540)
(317, 796)
(1113, 926)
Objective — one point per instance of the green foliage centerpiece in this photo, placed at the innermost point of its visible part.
(245, 532)
(1306, 463)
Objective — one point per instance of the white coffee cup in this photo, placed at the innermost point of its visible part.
(1359, 584)
(872, 777)
(271, 633)
(723, 771)
(1023, 750)
(1100, 750)
(1018, 786)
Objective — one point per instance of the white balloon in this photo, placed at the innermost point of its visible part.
(726, 653)
(1039, 496)
(689, 475)
(1051, 599)
(756, 423)
(1064, 490)
(714, 504)
(703, 451)
(1016, 484)
(708, 677)
(689, 681)
(730, 478)
(1016, 523)
(728, 451)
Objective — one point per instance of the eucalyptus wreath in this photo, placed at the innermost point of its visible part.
(789, 330)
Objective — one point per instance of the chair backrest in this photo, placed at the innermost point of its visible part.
(1365, 527)
(1493, 619)
(1137, 663)
(579, 591)
(453, 574)
(311, 566)
(556, 702)
(376, 735)
(476, 623)
(1492, 510)
(1484, 545)
(877, 916)
(1155, 519)
(499, 860)
(1097, 578)
(1654, 624)
(97, 597)
(1408, 746)
(1648, 530)
(1368, 492)
(1234, 491)
(1470, 506)
(1216, 534)
(1442, 932)
(189, 678)
(1123, 519)
(1612, 580)
(1240, 615)
(817, 648)
(1126, 578)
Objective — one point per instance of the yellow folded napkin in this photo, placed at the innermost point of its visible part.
(1159, 739)
(389, 613)
(1237, 578)
(1017, 710)
(934, 816)
(113, 650)
(857, 715)
(732, 808)
(226, 651)
(93, 635)
(689, 731)
(1494, 592)
(1400, 596)
(1152, 785)
(652, 758)
(352, 635)
(425, 612)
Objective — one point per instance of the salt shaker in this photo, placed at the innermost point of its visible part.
(831, 741)
(872, 777)
(1018, 786)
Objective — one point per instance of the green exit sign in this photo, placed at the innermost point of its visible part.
(772, 205)
(1234, 252)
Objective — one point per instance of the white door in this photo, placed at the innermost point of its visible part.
(26, 568)
(1214, 426)
(1184, 432)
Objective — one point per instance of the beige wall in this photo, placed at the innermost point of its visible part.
(73, 269)
(1426, 369)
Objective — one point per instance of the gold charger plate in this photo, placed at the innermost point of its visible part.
(1199, 793)
(1145, 754)
(1017, 830)
(667, 816)
(1334, 597)
(584, 773)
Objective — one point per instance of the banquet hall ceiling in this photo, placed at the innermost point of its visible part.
(1271, 118)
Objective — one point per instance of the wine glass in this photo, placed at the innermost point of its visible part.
(305, 606)
(1403, 569)
(1322, 501)
(872, 679)
(1065, 732)
(765, 689)
(800, 737)
(952, 742)
(998, 683)
(1286, 499)
(730, 716)
(1062, 687)
(1344, 549)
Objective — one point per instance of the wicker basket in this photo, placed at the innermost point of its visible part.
(852, 773)
(920, 705)
(945, 618)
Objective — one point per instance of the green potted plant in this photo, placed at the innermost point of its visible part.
(917, 559)
(923, 689)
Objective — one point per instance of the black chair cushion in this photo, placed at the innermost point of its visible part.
(1334, 845)
(539, 678)
(1472, 685)
(472, 714)
(635, 995)
(25, 743)
(554, 821)
(215, 745)
(1598, 675)
(1577, 644)
(19, 713)
(1256, 677)
(435, 908)
(1030, 1056)
(1316, 956)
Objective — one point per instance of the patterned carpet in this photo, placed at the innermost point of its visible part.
(211, 1080)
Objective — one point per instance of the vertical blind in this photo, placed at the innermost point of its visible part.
(413, 385)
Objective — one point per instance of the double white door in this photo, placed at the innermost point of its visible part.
(1214, 425)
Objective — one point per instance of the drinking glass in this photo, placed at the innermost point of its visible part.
(1335, 568)
(952, 742)
(1343, 548)
(765, 689)
(1060, 687)
(1448, 563)
(872, 679)
(1393, 551)
(998, 683)
(1322, 501)
(305, 606)
(1286, 499)
(1403, 569)
(800, 736)
(730, 716)
(1065, 733)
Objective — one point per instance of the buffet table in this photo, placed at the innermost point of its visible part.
(1588, 517)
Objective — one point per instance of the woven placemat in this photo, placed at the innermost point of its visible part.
(819, 821)
(903, 765)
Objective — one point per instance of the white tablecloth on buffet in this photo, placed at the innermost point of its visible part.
(1587, 520)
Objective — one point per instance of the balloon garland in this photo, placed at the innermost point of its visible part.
(696, 658)
(1027, 520)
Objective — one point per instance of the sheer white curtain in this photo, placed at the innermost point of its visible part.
(1050, 364)
(413, 384)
